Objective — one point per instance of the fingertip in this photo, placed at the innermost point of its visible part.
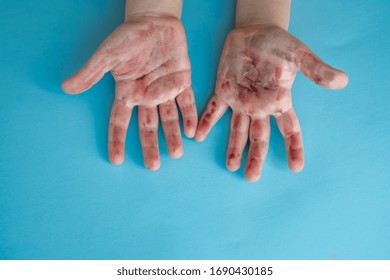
(200, 137)
(252, 177)
(117, 159)
(296, 160)
(232, 165)
(177, 153)
(343, 80)
(68, 87)
(339, 80)
(65, 86)
(189, 132)
(152, 161)
(253, 170)
(296, 166)
(153, 166)
(232, 168)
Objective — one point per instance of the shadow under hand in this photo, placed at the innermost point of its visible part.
(277, 152)
(133, 148)
(220, 137)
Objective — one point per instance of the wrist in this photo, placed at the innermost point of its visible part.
(156, 8)
(253, 12)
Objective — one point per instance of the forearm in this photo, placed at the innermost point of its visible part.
(153, 8)
(275, 12)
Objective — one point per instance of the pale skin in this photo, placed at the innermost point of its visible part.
(148, 58)
(256, 72)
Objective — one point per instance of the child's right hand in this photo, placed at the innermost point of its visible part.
(148, 58)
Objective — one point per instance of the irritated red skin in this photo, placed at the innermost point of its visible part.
(256, 72)
(148, 59)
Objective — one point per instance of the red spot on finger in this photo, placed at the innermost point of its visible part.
(233, 160)
(294, 141)
(295, 154)
(278, 73)
(237, 122)
(329, 75)
(226, 85)
(175, 146)
(118, 134)
(211, 111)
(231, 156)
(295, 148)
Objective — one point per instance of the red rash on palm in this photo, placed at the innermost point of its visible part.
(148, 59)
(256, 72)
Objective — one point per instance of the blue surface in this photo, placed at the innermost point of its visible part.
(60, 198)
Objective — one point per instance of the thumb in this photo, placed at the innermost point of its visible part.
(319, 72)
(88, 75)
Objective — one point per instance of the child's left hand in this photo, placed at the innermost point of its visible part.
(256, 72)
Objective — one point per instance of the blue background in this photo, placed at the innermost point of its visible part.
(60, 198)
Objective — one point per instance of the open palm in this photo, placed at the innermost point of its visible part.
(148, 58)
(255, 76)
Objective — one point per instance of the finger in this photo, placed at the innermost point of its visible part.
(89, 74)
(321, 73)
(170, 122)
(214, 111)
(186, 102)
(289, 127)
(259, 133)
(148, 133)
(238, 137)
(119, 122)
